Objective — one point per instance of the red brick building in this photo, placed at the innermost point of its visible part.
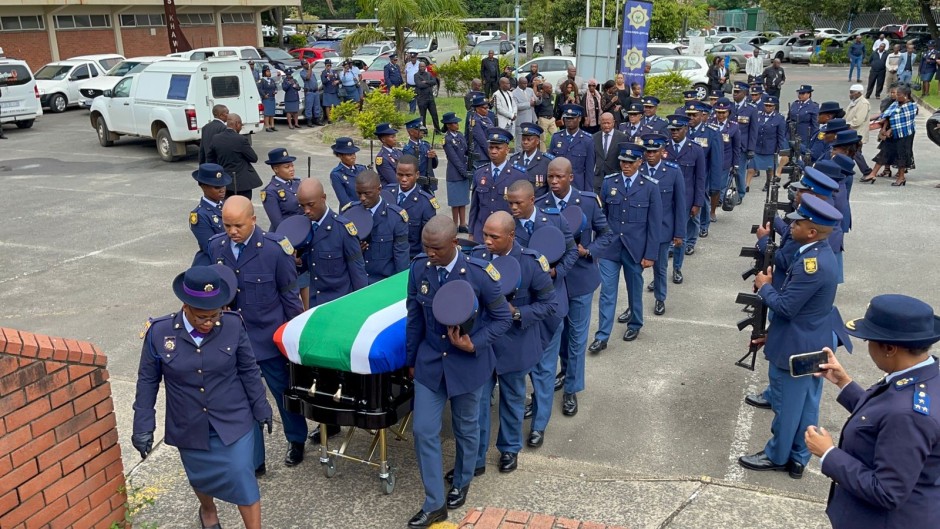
(41, 31)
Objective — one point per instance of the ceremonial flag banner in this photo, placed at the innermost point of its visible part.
(636, 34)
(362, 332)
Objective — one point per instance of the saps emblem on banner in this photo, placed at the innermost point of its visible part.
(636, 32)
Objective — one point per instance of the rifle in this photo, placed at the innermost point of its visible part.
(428, 182)
(371, 157)
(308, 167)
(470, 164)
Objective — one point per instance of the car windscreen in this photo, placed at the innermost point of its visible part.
(278, 54)
(122, 68)
(53, 72)
(14, 75)
(136, 69)
(379, 63)
(779, 41)
(368, 50)
(418, 43)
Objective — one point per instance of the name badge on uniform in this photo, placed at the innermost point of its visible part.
(743, 120)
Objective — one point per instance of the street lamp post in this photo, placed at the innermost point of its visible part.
(516, 55)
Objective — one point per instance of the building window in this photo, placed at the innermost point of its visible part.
(82, 21)
(238, 18)
(196, 19)
(142, 21)
(24, 23)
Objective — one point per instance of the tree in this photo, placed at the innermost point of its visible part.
(424, 17)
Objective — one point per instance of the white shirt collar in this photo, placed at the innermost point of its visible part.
(325, 215)
(211, 203)
(407, 193)
(494, 167)
(531, 217)
(892, 376)
(450, 266)
(566, 198)
(375, 208)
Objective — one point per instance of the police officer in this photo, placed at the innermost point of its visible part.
(267, 88)
(668, 177)
(448, 364)
(343, 176)
(805, 299)
(418, 147)
(703, 133)
(267, 297)
(491, 182)
(532, 158)
(691, 159)
(312, 109)
(822, 146)
(742, 113)
(330, 83)
(634, 124)
(756, 91)
(392, 72)
(843, 203)
(419, 205)
(386, 249)
(480, 121)
(817, 182)
(458, 174)
(689, 96)
(730, 135)
(205, 221)
(280, 196)
(634, 210)
(652, 122)
(575, 145)
(816, 144)
(804, 112)
(769, 137)
(389, 153)
(519, 350)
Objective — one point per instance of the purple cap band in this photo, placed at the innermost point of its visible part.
(201, 294)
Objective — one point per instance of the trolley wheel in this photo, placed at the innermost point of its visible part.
(388, 484)
(329, 468)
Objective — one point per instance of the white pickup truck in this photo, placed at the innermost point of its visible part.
(170, 101)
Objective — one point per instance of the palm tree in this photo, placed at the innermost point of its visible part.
(424, 17)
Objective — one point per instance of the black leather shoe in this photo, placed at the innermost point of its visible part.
(689, 250)
(757, 400)
(625, 316)
(457, 497)
(332, 430)
(650, 287)
(295, 454)
(597, 346)
(659, 308)
(261, 470)
(427, 519)
(559, 381)
(631, 335)
(449, 476)
(569, 404)
(535, 438)
(529, 410)
(677, 276)
(703, 233)
(795, 469)
(759, 462)
(508, 462)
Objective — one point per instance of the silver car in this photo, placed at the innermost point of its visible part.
(779, 48)
(739, 54)
(804, 49)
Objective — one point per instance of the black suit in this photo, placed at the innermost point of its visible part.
(489, 73)
(232, 151)
(876, 76)
(606, 163)
(209, 130)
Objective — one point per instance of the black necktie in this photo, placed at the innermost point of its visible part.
(529, 226)
(401, 198)
(441, 275)
(240, 247)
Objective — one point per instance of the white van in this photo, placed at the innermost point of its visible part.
(441, 48)
(105, 60)
(19, 98)
(170, 101)
(95, 87)
(59, 82)
(246, 53)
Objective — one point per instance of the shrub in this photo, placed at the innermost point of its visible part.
(457, 74)
(345, 111)
(667, 87)
(376, 108)
(402, 93)
(830, 53)
(297, 41)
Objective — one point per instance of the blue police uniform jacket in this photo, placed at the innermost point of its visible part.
(585, 275)
(310, 81)
(267, 294)
(388, 248)
(804, 114)
(632, 131)
(343, 181)
(553, 217)
(730, 135)
(291, 94)
(480, 146)
(668, 177)
(216, 384)
(655, 124)
(818, 148)
(802, 306)
(487, 196)
(886, 469)
(205, 221)
(578, 148)
(326, 79)
(280, 200)
(437, 363)
(392, 73)
(267, 87)
(386, 164)
(537, 169)
(769, 135)
(691, 159)
(420, 206)
(419, 150)
(455, 149)
(928, 62)
(636, 216)
(520, 348)
(333, 256)
(743, 115)
(841, 201)
(710, 141)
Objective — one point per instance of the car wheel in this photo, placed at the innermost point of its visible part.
(24, 124)
(701, 91)
(779, 55)
(165, 146)
(58, 103)
(104, 135)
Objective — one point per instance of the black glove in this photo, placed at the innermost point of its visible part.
(750, 155)
(143, 442)
(269, 422)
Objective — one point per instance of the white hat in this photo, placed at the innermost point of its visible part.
(856, 88)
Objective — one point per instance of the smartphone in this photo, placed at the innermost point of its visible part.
(807, 363)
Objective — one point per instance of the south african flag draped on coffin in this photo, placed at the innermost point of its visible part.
(362, 332)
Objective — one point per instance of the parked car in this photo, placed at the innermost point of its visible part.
(824, 33)
(804, 49)
(369, 52)
(59, 82)
(20, 96)
(490, 34)
(324, 44)
(246, 53)
(892, 31)
(440, 48)
(657, 50)
(779, 48)
(280, 57)
(93, 88)
(860, 31)
(499, 47)
(695, 69)
(169, 101)
(313, 54)
(727, 29)
(920, 40)
(738, 53)
(553, 69)
(105, 61)
(374, 76)
(757, 41)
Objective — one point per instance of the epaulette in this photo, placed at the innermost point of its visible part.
(351, 204)
(419, 257)
(611, 175)
(551, 211)
(671, 164)
(486, 266)
(597, 198)
(519, 168)
(350, 227)
(150, 321)
(217, 235)
(193, 218)
(281, 241)
(548, 155)
(712, 126)
(921, 399)
(401, 211)
(650, 178)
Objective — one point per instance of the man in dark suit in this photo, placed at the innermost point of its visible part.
(879, 68)
(217, 125)
(232, 151)
(606, 141)
(489, 71)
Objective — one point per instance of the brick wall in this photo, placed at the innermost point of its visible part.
(30, 46)
(199, 36)
(139, 43)
(240, 34)
(85, 42)
(59, 452)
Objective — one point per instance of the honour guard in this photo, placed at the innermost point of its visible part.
(418, 147)
(730, 135)
(742, 113)
(343, 176)
(575, 145)
(817, 144)
(389, 154)
(634, 124)
(691, 159)
(689, 96)
(652, 122)
(280, 196)
(532, 158)
(708, 138)
(768, 138)
(480, 122)
(386, 248)
(417, 203)
(491, 182)
(804, 112)
(205, 221)
(458, 174)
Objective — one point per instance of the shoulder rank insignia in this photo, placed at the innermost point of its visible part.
(193, 218)
(286, 246)
(821, 136)
(651, 179)
(344, 208)
(264, 195)
(378, 160)
(902, 383)
(921, 401)
(492, 272)
(146, 328)
(351, 228)
(548, 155)
(434, 203)
(544, 262)
(809, 265)
(281, 193)
(404, 214)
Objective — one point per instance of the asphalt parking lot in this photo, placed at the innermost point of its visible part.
(91, 238)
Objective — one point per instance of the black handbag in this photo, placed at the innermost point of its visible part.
(730, 199)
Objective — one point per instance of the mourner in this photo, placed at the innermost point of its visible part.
(491, 182)
(386, 249)
(458, 172)
(205, 221)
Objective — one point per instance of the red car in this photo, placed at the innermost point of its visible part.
(313, 54)
(375, 75)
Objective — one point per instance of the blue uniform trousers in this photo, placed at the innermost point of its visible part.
(429, 407)
(742, 175)
(610, 275)
(511, 408)
(312, 106)
(543, 381)
(661, 271)
(704, 221)
(276, 373)
(795, 401)
(574, 338)
(678, 255)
